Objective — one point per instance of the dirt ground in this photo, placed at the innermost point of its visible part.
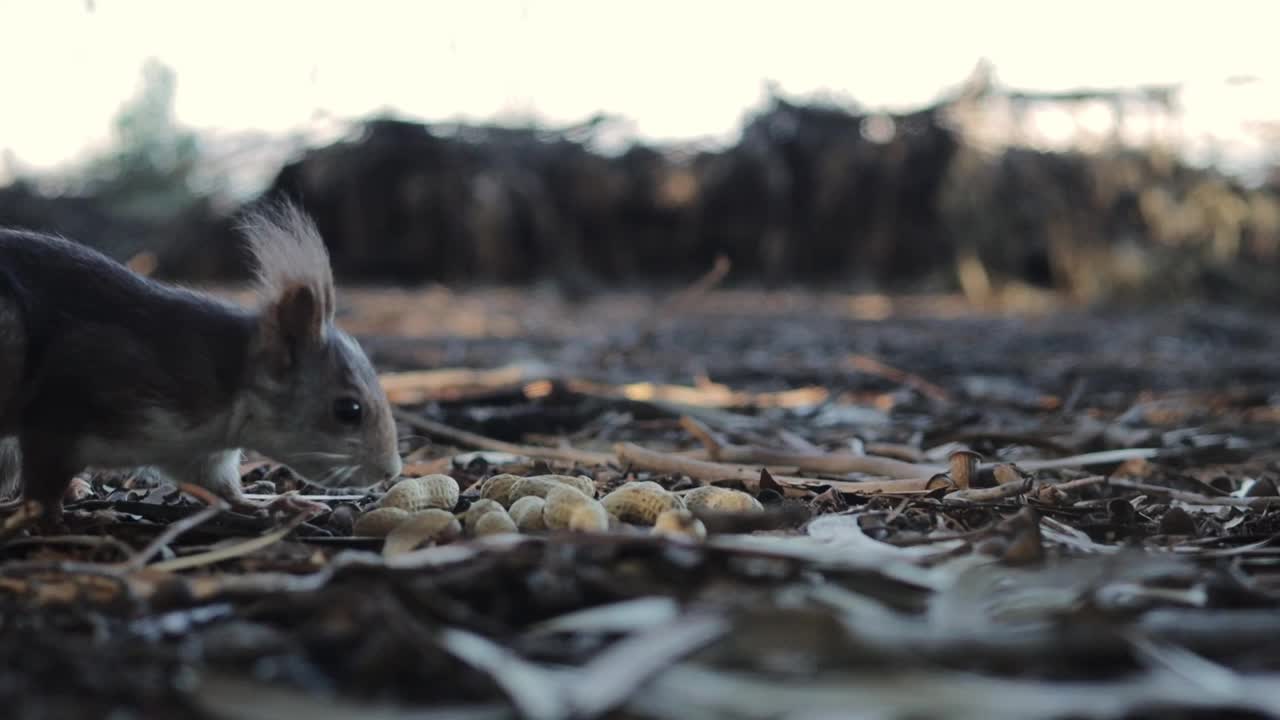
(1020, 512)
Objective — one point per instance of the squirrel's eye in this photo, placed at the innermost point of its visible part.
(347, 410)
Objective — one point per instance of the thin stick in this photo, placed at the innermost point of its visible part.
(1105, 457)
(700, 470)
(171, 533)
(991, 494)
(871, 366)
(203, 495)
(322, 498)
(708, 472)
(703, 434)
(1196, 498)
(897, 451)
(677, 399)
(233, 551)
(1013, 489)
(831, 463)
(1078, 483)
(419, 385)
(570, 455)
(686, 297)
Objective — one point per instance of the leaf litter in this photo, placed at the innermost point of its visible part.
(1072, 518)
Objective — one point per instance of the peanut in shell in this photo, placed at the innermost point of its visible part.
(640, 503)
(589, 517)
(498, 488)
(584, 484)
(479, 507)
(540, 485)
(679, 524)
(722, 500)
(419, 493)
(559, 503)
(432, 525)
(527, 513)
(494, 523)
(379, 521)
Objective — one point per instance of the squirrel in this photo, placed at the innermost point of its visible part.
(103, 368)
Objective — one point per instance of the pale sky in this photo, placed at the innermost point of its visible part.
(676, 70)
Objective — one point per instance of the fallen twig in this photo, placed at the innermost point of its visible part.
(232, 551)
(871, 366)
(685, 298)
(215, 506)
(989, 494)
(676, 398)
(1105, 457)
(1196, 498)
(1025, 487)
(709, 472)
(469, 439)
(1078, 483)
(896, 451)
(404, 388)
(719, 450)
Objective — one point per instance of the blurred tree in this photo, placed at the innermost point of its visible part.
(147, 173)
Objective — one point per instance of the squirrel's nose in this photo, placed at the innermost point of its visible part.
(393, 468)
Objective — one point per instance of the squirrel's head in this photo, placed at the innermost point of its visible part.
(314, 401)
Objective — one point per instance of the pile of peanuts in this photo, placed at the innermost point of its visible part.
(421, 510)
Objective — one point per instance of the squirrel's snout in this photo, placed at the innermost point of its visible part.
(393, 467)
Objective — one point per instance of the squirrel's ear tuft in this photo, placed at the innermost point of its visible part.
(288, 253)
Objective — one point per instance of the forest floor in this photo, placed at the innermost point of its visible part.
(1021, 512)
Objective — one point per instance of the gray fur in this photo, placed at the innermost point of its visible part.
(290, 418)
(122, 372)
(10, 466)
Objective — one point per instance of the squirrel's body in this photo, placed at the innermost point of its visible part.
(101, 367)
